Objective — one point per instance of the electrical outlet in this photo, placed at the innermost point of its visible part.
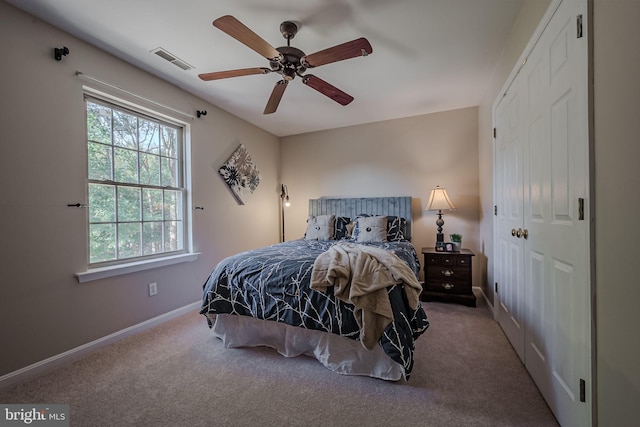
(153, 289)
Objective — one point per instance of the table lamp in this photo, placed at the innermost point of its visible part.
(438, 201)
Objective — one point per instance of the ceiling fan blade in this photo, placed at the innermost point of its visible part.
(244, 35)
(358, 47)
(327, 89)
(233, 73)
(276, 96)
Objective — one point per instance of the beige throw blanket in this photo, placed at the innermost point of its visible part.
(360, 275)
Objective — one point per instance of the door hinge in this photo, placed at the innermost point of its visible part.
(495, 210)
(580, 209)
(583, 391)
(495, 288)
(579, 26)
(495, 132)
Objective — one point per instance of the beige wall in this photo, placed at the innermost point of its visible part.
(403, 157)
(526, 23)
(44, 311)
(616, 98)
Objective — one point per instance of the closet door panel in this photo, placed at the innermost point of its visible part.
(542, 177)
(509, 271)
(555, 177)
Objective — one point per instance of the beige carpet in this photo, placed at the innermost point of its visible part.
(178, 374)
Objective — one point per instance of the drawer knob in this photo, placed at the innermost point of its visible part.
(447, 285)
(447, 273)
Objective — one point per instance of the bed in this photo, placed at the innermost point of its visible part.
(314, 296)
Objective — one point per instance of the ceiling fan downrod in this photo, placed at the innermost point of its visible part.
(289, 29)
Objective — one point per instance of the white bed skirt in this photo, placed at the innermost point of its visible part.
(339, 354)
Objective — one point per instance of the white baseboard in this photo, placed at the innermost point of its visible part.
(75, 353)
(486, 299)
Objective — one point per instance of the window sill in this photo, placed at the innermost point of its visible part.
(117, 270)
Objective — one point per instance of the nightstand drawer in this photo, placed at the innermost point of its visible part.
(448, 287)
(445, 259)
(432, 259)
(446, 272)
(464, 261)
(440, 259)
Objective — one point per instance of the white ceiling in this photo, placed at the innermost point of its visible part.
(428, 55)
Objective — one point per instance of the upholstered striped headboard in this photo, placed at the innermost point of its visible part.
(352, 207)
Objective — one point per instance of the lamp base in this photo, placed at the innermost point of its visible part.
(439, 234)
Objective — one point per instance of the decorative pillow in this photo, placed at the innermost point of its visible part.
(372, 229)
(396, 228)
(350, 228)
(341, 227)
(354, 231)
(321, 227)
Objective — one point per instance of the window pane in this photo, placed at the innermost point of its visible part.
(169, 172)
(98, 123)
(128, 204)
(149, 136)
(173, 240)
(152, 238)
(131, 215)
(172, 205)
(125, 130)
(149, 169)
(125, 165)
(151, 204)
(102, 242)
(99, 161)
(169, 147)
(102, 203)
(129, 240)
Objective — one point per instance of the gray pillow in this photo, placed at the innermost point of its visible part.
(321, 227)
(372, 229)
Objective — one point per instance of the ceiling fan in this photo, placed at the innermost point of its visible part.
(288, 61)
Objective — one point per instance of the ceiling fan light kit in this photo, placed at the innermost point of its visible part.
(288, 61)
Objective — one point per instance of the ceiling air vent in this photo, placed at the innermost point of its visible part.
(162, 53)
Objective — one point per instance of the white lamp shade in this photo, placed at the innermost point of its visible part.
(439, 200)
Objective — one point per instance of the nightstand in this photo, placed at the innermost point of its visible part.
(447, 276)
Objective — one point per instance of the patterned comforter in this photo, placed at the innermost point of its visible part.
(273, 283)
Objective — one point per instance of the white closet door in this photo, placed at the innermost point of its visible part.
(542, 172)
(556, 252)
(509, 191)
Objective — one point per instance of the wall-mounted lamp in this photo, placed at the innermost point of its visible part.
(201, 113)
(284, 201)
(59, 52)
(438, 201)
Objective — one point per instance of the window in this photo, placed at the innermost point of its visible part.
(136, 185)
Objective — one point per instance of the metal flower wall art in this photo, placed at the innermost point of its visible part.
(240, 174)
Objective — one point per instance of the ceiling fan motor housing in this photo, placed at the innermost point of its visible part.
(289, 65)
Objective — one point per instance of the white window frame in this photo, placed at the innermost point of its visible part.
(119, 267)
